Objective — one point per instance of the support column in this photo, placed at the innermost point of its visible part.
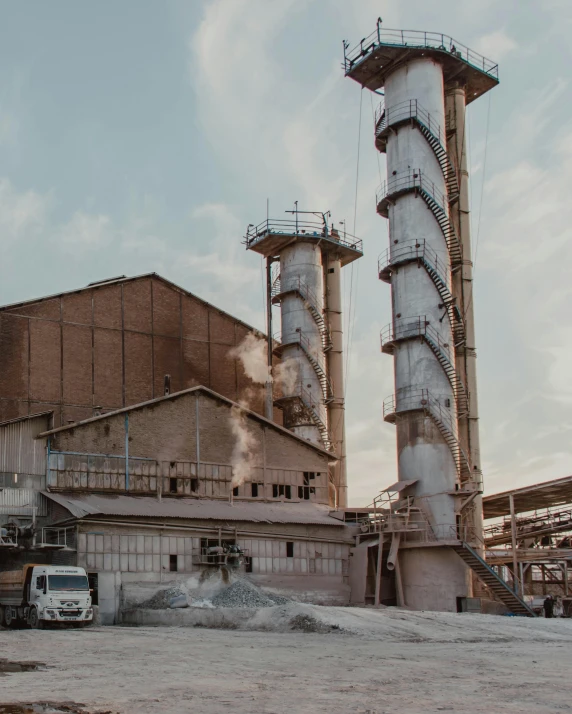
(468, 425)
(513, 539)
(335, 360)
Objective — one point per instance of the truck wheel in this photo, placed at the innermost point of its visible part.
(34, 620)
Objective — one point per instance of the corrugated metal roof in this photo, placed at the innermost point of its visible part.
(177, 395)
(92, 504)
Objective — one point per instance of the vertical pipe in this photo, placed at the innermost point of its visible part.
(463, 283)
(335, 364)
(565, 578)
(127, 451)
(198, 437)
(269, 409)
(513, 538)
(378, 571)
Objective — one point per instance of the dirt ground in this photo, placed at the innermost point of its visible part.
(376, 662)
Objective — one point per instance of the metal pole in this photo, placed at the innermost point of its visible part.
(513, 538)
(198, 439)
(269, 407)
(127, 451)
(378, 572)
(565, 578)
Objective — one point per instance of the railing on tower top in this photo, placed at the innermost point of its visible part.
(417, 38)
(312, 229)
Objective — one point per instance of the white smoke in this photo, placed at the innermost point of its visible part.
(244, 452)
(286, 375)
(253, 354)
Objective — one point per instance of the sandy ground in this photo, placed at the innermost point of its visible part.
(379, 661)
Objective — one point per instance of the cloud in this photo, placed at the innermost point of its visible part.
(495, 45)
(85, 232)
(22, 214)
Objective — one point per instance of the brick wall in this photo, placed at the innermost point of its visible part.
(111, 346)
(165, 433)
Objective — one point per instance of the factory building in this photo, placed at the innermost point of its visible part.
(141, 491)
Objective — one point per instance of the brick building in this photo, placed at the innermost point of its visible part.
(112, 344)
(136, 445)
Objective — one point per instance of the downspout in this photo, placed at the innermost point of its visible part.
(126, 451)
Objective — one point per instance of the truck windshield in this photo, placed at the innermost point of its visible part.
(67, 582)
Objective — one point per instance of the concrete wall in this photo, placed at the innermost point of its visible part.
(317, 571)
(111, 345)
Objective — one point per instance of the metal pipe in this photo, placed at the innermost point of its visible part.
(468, 425)
(269, 408)
(513, 540)
(335, 364)
(198, 437)
(378, 572)
(393, 550)
(127, 451)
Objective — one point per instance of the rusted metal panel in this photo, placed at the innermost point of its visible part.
(20, 451)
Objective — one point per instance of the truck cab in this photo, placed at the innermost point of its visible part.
(40, 594)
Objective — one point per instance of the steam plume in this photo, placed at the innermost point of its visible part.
(243, 454)
(253, 355)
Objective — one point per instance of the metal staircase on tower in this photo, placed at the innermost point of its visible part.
(299, 287)
(492, 580)
(413, 181)
(421, 253)
(414, 399)
(420, 327)
(411, 111)
(299, 339)
(306, 405)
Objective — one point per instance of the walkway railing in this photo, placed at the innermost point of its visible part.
(312, 229)
(416, 38)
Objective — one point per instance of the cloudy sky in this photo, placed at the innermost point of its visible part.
(142, 136)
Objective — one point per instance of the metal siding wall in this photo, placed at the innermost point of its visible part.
(20, 452)
(20, 501)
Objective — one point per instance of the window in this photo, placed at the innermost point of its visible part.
(40, 582)
(68, 582)
(172, 485)
(289, 550)
(254, 490)
(173, 563)
(235, 491)
(281, 490)
(194, 485)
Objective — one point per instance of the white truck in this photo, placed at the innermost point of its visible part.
(40, 594)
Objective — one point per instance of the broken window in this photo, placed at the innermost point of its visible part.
(281, 490)
(235, 491)
(173, 567)
(194, 485)
(172, 485)
(254, 490)
(289, 549)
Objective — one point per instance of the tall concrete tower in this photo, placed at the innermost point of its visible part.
(428, 79)
(310, 254)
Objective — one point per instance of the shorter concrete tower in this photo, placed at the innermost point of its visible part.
(307, 286)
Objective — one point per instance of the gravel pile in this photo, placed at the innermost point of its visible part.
(243, 594)
(162, 599)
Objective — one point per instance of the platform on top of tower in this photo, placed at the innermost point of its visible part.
(382, 52)
(271, 236)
